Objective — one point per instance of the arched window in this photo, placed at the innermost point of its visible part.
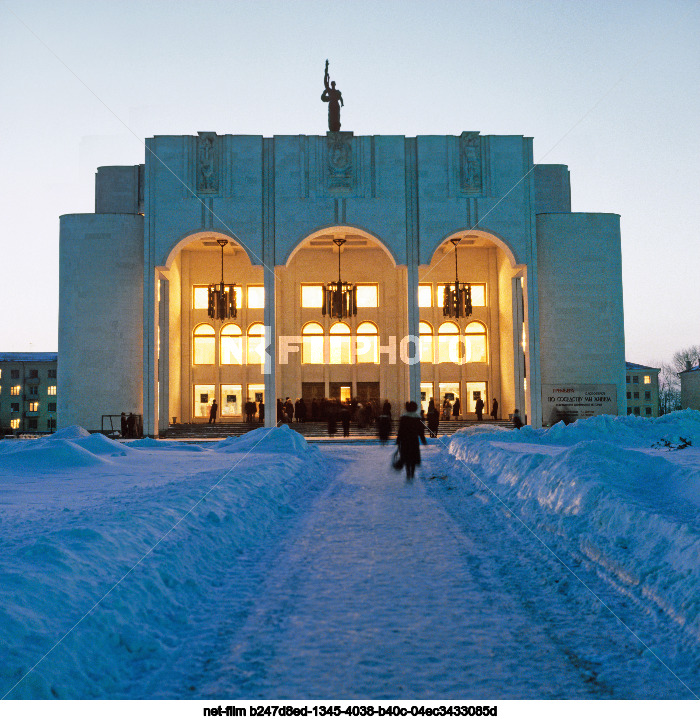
(204, 339)
(312, 343)
(425, 334)
(448, 343)
(340, 343)
(475, 342)
(256, 344)
(231, 345)
(367, 347)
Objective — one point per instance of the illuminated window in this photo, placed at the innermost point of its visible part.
(231, 400)
(311, 296)
(200, 301)
(367, 348)
(448, 343)
(231, 345)
(15, 390)
(14, 423)
(340, 343)
(256, 344)
(478, 295)
(425, 334)
(475, 343)
(312, 343)
(425, 296)
(51, 390)
(256, 296)
(204, 340)
(647, 380)
(203, 398)
(367, 296)
(34, 407)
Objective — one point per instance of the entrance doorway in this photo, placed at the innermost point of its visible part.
(340, 391)
(231, 400)
(369, 392)
(449, 392)
(312, 391)
(474, 392)
(426, 393)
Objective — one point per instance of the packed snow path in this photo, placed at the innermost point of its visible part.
(379, 593)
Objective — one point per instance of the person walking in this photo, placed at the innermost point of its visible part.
(345, 420)
(479, 408)
(494, 409)
(384, 428)
(410, 433)
(517, 420)
(212, 412)
(433, 416)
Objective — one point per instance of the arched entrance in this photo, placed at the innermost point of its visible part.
(483, 356)
(203, 359)
(339, 359)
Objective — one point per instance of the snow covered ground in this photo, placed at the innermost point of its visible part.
(562, 563)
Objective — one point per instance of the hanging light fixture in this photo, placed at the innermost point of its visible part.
(457, 301)
(339, 299)
(222, 297)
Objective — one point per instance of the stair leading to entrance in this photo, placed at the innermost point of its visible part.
(311, 429)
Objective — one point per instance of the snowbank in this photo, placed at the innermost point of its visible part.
(152, 444)
(173, 541)
(281, 439)
(612, 490)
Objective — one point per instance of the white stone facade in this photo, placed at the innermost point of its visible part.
(552, 310)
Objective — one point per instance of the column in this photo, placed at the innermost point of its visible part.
(412, 256)
(269, 281)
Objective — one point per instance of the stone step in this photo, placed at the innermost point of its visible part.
(312, 429)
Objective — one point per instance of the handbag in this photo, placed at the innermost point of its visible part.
(396, 460)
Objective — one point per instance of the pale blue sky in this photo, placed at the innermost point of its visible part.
(610, 89)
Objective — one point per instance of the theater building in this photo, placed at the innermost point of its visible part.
(402, 216)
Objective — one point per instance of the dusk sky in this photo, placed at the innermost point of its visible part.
(610, 89)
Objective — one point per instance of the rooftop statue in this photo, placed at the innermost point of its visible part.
(334, 99)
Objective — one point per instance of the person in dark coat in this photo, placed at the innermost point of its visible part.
(332, 422)
(212, 412)
(479, 408)
(433, 417)
(301, 411)
(280, 410)
(250, 410)
(261, 412)
(131, 426)
(384, 428)
(289, 409)
(517, 420)
(408, 436)
(123, 427)
(494, 409)
(386, 408)
(314, 410)
(345, 420)
(456, 408)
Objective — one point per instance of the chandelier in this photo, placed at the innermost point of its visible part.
(457, 301)
(339, 299)
(222, 297)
